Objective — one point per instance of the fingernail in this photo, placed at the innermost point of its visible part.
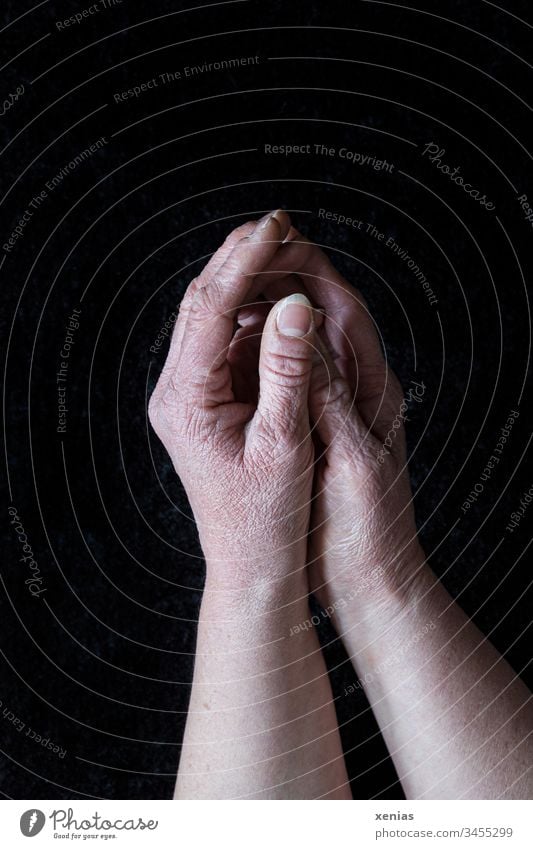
(266, 219)
(295, 316)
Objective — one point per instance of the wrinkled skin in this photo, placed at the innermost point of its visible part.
(279, 440)
(245, 454)
(246, 462)
(363, 527)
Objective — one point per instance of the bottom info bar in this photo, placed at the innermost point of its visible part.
(260, 824)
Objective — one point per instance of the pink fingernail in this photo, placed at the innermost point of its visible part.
(295, 316)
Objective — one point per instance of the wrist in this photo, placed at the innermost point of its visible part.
(257, 615)
(379, 594)
(256, 585)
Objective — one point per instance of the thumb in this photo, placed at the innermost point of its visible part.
(288, 346)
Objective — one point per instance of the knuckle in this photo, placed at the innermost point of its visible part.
(164, 402)
(173, 389)
(167, 408)
(181, 424)
(190, 292)
(240, 232)
(334, 391)
(208, 297)
(286, 372)
(193, 286)
(201, 304)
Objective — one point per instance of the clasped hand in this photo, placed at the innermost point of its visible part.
(274, 405)
(285, 424)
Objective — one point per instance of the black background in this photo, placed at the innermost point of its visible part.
(101, 662)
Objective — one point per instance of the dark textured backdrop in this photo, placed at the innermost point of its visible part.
(100, 662)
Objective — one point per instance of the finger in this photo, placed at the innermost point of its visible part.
(350, 333)
(254, 313)
(331, 402)
(243, 359)
(215, 263)
(290, 284)
(337, 413)
(222, 253)
(285, 364)
(202, 359)
(350, 327)
(353, 341)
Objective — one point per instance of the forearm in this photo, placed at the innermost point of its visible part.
(456, 718)
(261, 720)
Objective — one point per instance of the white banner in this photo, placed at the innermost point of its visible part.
(261, 825)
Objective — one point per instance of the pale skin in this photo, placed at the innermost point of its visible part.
(261, 720)
(281, 512)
